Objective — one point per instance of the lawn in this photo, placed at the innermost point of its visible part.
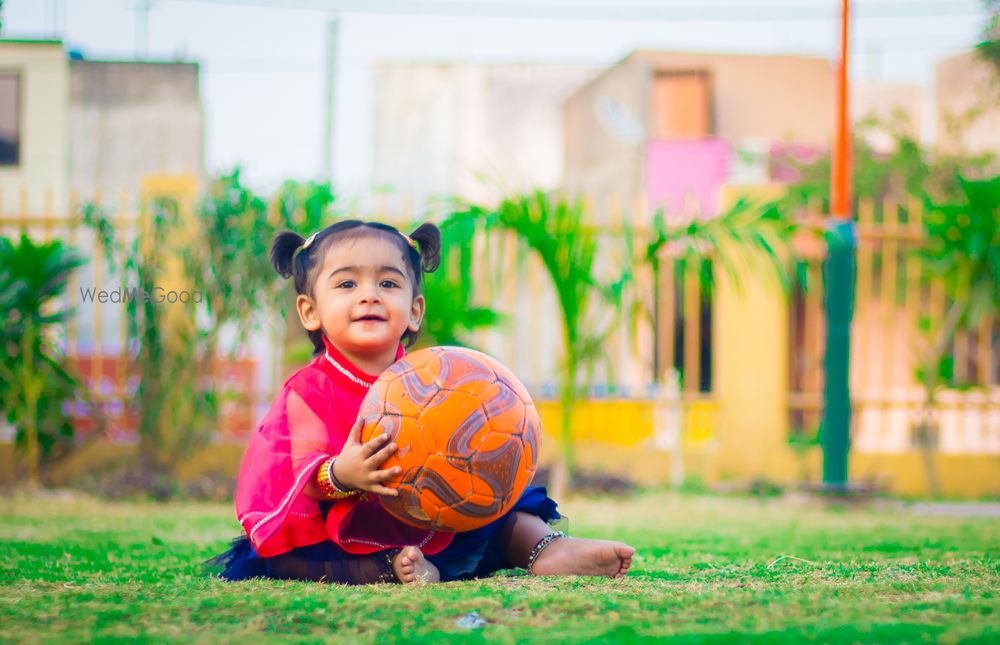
(709, 569)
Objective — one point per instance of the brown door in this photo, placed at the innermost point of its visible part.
(681, 105)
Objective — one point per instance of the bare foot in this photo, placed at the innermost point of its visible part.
(411, 567)
(583, 557)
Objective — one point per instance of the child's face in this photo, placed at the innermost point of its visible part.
(363, 298)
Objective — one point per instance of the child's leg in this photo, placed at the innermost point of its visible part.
(562, 556)
(411, 567)
(326, 563)
(320, 564)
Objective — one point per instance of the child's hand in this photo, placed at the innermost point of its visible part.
(357, 465)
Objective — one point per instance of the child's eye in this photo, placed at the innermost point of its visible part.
(346, 284)
(388, 284)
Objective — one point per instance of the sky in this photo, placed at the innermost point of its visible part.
(263, 62)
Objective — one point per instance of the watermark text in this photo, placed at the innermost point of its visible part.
(157, 295)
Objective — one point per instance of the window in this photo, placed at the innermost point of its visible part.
(10, 119)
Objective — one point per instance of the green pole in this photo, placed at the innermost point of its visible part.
(838, 279)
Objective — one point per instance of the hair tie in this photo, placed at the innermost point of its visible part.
(306, 244)
(410, 241)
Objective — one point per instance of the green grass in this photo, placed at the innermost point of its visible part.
(708, 570)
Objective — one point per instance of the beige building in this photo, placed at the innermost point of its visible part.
(747, 101)
(900, 107)
(34, 126)
(968, 105)
(470, 130)
(129, 120)
(77, 126)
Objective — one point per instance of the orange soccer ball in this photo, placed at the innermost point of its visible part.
(467, 434)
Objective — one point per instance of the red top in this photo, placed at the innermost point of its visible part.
(307, 423)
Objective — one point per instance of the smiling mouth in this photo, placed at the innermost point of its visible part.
(370, 319)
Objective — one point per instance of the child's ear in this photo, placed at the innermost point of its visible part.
(308, 315)
(416, 313)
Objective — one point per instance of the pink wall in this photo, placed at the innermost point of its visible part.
(686, 174)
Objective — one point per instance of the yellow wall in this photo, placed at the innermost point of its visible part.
(750, 356)
(748, 450)
(44, 110)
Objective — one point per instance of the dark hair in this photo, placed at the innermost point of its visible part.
(291, 260)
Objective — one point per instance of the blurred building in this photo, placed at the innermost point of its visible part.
(69, 125)
(896, 107)
(691, 134)
(472, 130)
(671, 128)
(967, 91)
(129, 120)
(34, 126)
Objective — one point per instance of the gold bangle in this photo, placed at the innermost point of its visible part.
(325, 479)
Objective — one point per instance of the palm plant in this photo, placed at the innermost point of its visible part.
(963, 252)
(33, 279)
(733, 241)
(554, 228)
(451, 312)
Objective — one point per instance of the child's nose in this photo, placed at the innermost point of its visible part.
(368, 293)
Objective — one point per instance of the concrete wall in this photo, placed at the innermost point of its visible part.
(472, 130)
(896, 104)
(606, 133)
(129, 119)
(968, 89)
(41, 177)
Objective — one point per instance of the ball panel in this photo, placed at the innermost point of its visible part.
(482, 487)
(408, 394)
(451, 473)
(498, 467)
(531, 433)
(453, 419)
(460, 519)
(460, 366)
(506, 418)
(508, 378)
(498, 398)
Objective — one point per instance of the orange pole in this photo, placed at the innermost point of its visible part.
(840, 187)
(838, 287)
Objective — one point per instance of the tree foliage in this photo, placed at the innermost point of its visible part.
(38, 384)
(989, 48)
(219, 251)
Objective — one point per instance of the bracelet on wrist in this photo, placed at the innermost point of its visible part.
(329, 484)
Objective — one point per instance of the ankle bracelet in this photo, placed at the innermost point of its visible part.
(388, 574)
(544, 542)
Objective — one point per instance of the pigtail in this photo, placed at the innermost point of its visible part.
(286, 243)
(428, 238)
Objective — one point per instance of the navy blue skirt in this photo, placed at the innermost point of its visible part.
(473, 554)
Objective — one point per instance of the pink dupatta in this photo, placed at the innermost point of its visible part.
(307, 423)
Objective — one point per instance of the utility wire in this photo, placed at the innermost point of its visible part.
(607, 11)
